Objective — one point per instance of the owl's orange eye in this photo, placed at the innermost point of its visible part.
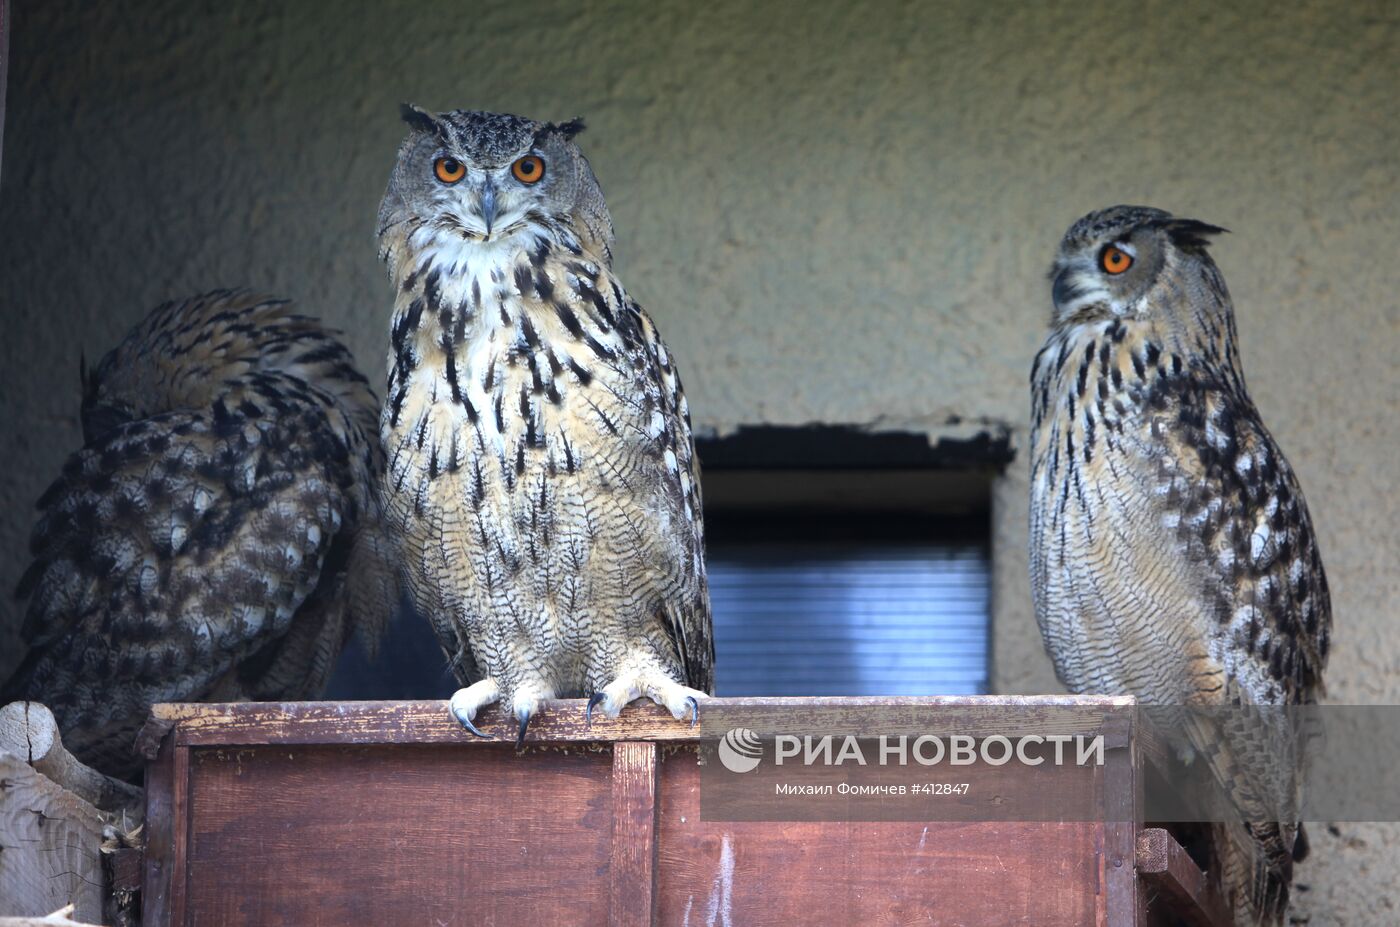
(528, 169)
(1115, 260)
(449, 170)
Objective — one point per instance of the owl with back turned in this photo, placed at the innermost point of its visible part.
(542, 484)
(216, 537)
(1172, 555)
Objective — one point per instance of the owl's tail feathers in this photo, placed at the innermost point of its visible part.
(1253, 754)
(374, 586)
(1256, 868)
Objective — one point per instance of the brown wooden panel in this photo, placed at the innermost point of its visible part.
(159, 887)
(180, 833)
(783, 873)
(1047, 792)
(633, 875)
(1124, 894)
(403, 835)
(155, 878)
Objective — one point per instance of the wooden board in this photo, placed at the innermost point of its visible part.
(338, 835)
(887, 872)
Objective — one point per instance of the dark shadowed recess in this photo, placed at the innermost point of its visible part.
(841, 562)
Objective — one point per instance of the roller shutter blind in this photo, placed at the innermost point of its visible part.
(825, 617)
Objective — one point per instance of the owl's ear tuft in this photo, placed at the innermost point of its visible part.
(1191, 234)
(418, 118)
(571, 128)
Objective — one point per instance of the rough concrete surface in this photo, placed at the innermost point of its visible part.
(836, 212)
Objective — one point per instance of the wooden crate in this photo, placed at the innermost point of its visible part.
(388, 813)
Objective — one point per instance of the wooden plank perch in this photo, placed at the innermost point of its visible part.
(562, 721)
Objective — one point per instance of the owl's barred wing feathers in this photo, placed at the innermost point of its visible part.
(200, 546)
(688, 616)
(1243, 512)
(169, 562)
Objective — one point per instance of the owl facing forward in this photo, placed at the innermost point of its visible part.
(215, 539)
(541, 478)
(1172, 555)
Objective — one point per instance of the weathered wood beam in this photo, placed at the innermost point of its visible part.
(1165, 865)
(50, 842)
(29, 731)
(427, 722)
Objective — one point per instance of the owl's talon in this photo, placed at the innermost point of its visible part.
(520, 736)
(467, 723)
(694, 710)
(465, 703)
(593, 701)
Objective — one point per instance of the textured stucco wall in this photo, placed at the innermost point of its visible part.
(836, 212)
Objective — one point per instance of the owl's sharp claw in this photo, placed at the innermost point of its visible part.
(524, 723)
(467, 723)
(465, 703)
(694, 710)
(593, 701)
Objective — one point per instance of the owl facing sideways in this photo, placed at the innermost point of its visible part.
(1172, 555)
(541, 480)
(215, 539)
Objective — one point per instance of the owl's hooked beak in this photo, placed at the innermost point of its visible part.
(488, 206)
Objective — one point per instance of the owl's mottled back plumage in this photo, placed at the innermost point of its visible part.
(1172, 555)
(542, 480)
(200, 545)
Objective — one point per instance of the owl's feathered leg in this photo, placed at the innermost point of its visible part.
(465, 703)
(648, 681)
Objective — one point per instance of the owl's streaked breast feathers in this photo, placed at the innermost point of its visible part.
(199, 546)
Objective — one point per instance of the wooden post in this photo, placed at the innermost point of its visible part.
(632, 892)
(1125, 903)
(166, 829)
